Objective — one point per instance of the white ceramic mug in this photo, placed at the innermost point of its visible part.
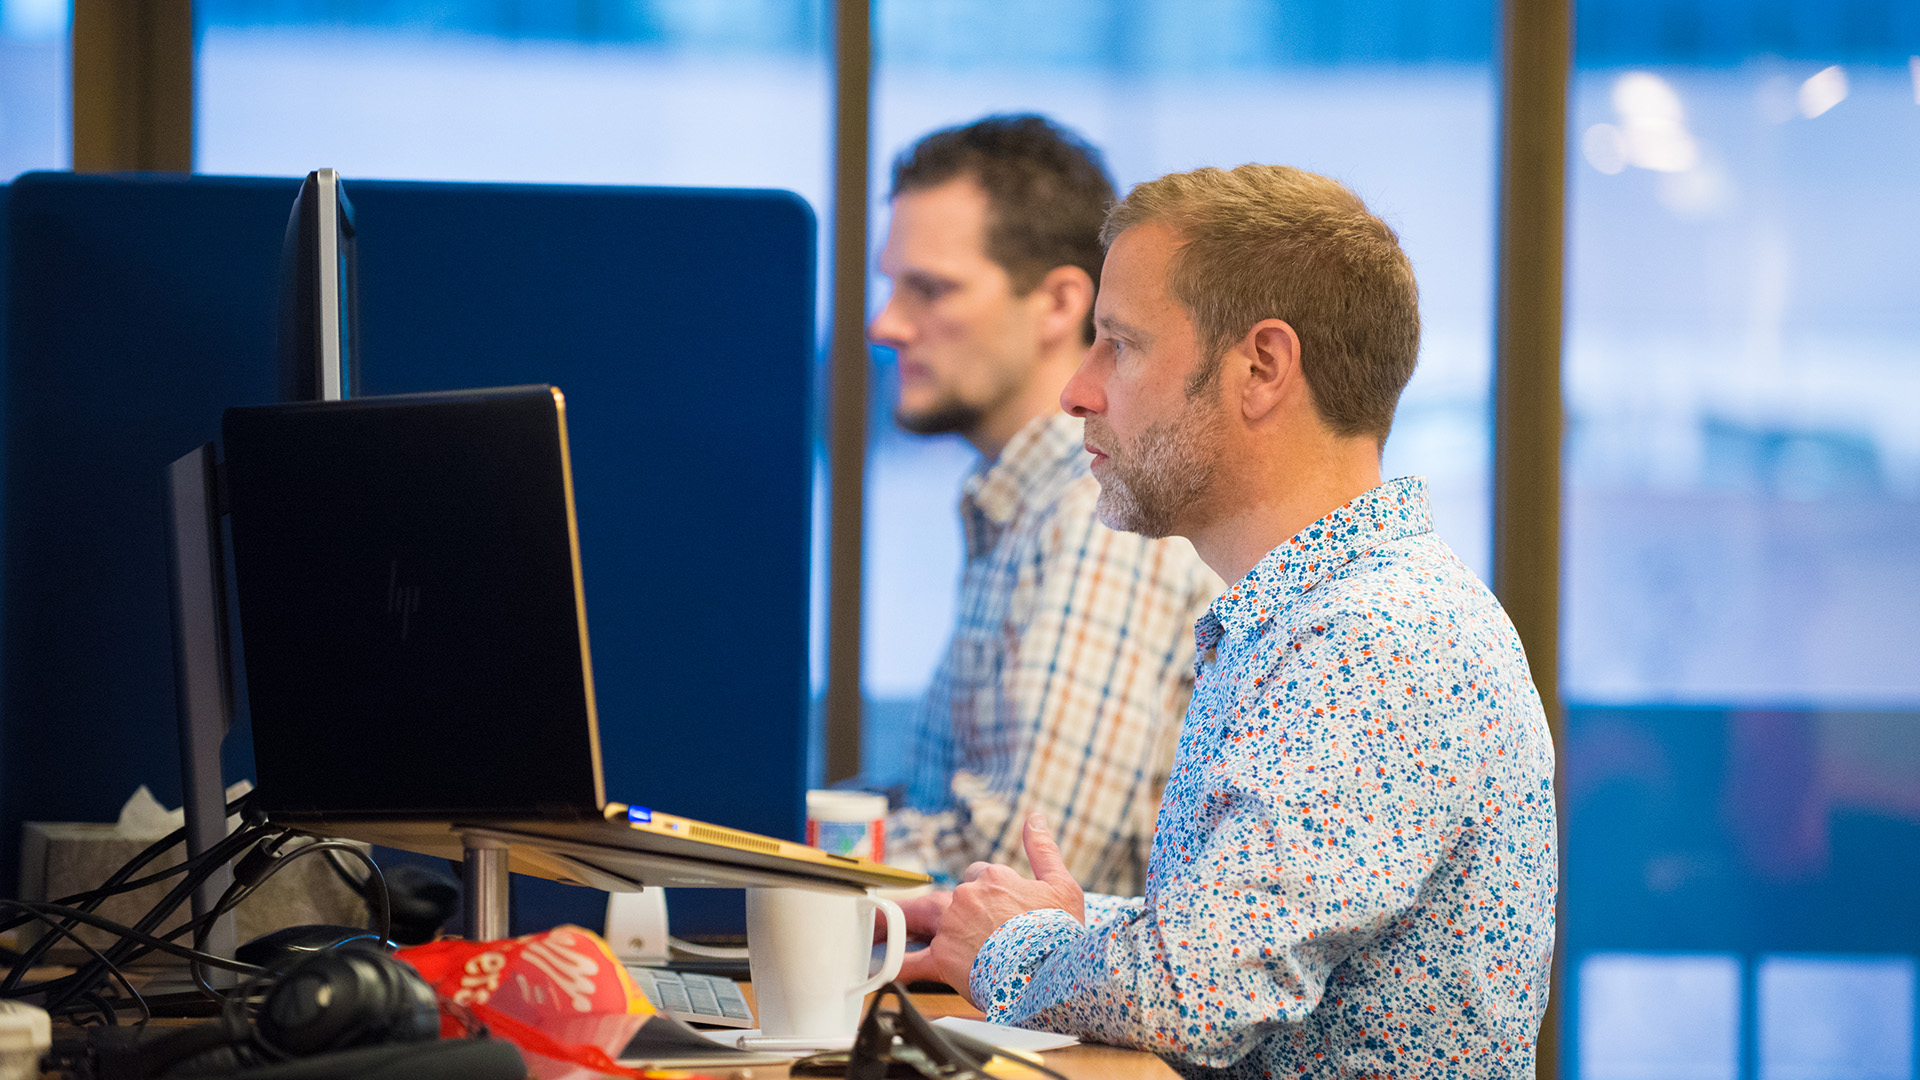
(809, 952)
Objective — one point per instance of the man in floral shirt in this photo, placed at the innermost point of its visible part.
(1353, 872)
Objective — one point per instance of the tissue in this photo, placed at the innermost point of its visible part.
(143, 818)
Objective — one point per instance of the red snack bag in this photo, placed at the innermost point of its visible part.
(560, 996)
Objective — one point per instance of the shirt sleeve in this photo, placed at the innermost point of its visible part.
(914, 841)
(923, 834)
(1100, 646)
(1101, 906)
(1330, 805)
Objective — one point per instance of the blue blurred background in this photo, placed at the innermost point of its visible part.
(1740, 772)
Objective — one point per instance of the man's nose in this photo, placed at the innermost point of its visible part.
(1083, 395)
(888, 328)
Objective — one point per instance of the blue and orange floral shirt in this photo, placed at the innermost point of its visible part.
(1353, 872)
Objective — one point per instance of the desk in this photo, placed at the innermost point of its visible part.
(1078, 1062)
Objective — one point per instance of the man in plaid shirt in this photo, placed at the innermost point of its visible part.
(1072, 658)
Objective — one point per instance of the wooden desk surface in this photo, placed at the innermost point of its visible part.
(1084, 1062)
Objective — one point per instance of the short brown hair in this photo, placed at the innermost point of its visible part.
(1047, 191)
(1273, 242)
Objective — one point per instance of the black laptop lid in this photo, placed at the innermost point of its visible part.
(411, 607)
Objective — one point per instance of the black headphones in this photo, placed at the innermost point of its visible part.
(349, 1012)
(343, 999)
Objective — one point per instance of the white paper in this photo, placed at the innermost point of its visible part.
(745, 1040)
(1005, 1037)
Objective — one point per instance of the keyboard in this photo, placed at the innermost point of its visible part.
(694, 998)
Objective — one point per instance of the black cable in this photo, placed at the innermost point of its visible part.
(128, 949)
(380, 913)
(145, 1013)
(346, 877)
(82, 986)
(239, 891)
(954, 1054)
(127, 933)
(108, 1017)
(118, 883)
(38, 950)
(209, 864)
(115, 884)
(103, 893)
(87, 901)
(63, 917)
(234, 1019)
(138, 940)
(360, 887)
(144, 938)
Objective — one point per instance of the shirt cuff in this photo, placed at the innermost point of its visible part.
(1009, 957)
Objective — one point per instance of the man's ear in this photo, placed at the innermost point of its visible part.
(1271, 353)
(1064, 297)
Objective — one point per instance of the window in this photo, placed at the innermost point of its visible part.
(1659, 1017)
(728, 94)
(1741, 619)
(1397, 100)
(34, 110)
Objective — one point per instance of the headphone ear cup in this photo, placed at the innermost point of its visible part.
(349, 997)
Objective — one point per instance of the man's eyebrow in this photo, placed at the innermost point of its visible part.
(922, 277)
(1115, 328)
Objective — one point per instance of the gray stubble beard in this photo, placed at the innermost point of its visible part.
(1152, 481)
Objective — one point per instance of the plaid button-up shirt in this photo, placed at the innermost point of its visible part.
(1063, 687)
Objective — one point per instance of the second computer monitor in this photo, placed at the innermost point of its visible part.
(319, 274)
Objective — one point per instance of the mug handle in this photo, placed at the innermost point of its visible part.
(896, 945)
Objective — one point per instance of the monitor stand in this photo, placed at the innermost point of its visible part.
(484, 896)
(202, 679)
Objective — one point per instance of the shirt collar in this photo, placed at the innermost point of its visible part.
(1393, 511)
(1027, 473)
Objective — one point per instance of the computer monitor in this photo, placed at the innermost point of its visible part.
(412, 606)
(319, 330)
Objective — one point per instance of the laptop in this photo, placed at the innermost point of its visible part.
(414, 628)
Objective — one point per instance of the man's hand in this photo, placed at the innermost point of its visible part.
(990, 896)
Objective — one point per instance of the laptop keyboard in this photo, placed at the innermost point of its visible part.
(694, 998)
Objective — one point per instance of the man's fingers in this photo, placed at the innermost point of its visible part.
(923, 916)
(918, 966)
(1042, 853)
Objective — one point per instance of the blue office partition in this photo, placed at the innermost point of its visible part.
(680, 325)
